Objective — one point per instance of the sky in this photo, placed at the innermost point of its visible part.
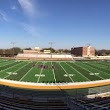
(65, 23)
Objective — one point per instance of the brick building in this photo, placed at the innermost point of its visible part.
(88, 51)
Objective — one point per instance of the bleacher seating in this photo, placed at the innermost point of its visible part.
(18, 104)
(95, 104)
(21, 99)
(44, 56)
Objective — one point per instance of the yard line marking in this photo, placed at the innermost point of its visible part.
(6, 76)
(40, 73)
(7, 63)
(100, 70)
(53, 73)
(77, 71)
(2, 61)
(7, 68)
(101, 67)
(89, 71)
(16, 70)
(66, 72)
(27, 73)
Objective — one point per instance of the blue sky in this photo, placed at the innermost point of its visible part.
(67, 23)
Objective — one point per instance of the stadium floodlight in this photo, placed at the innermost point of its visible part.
(51, 44)
(13, 43)
(88, 44)
(4, 52)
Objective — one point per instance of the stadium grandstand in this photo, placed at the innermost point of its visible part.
(54, 54)
(44, 56)
(49, 81)
(23, 99)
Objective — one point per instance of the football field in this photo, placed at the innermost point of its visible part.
(54, 71)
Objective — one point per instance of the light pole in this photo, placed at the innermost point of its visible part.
(4, 53)
(13, 43)
(51, 44)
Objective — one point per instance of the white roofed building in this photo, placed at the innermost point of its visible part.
(33, 51)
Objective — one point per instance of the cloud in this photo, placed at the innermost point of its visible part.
(13, 8)
(27, 6)
(32, 30)
(3, 16)
(31, 9)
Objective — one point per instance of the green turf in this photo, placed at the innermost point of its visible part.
(21, 72)
(59, 73)
(30, 77)
(95, 70)
(5, 72)
(48, 74)
(76, 75)
(78, 71)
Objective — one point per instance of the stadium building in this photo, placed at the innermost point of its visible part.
(54, 84)
(88, 51)
(33, 51)
(57, 83)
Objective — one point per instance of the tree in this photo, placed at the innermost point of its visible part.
(28, 48)
(10, 52)
(66, 51)
(16, 50)
(60, 50)
(1, 51)
(102, 52)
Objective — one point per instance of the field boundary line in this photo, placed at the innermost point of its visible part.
(53, 73)
(5, 62)
(78, 72)
(40, 72)
(66, 72)
(27, 73)
(2, 61)
(7, 68)
(88, 71)
(101, 67)
(6, 76)
(101, 71)
(16, 70)
(8, 63)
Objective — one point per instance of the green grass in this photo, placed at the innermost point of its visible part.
(48, 74)
(79, 71)
(30, 77)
